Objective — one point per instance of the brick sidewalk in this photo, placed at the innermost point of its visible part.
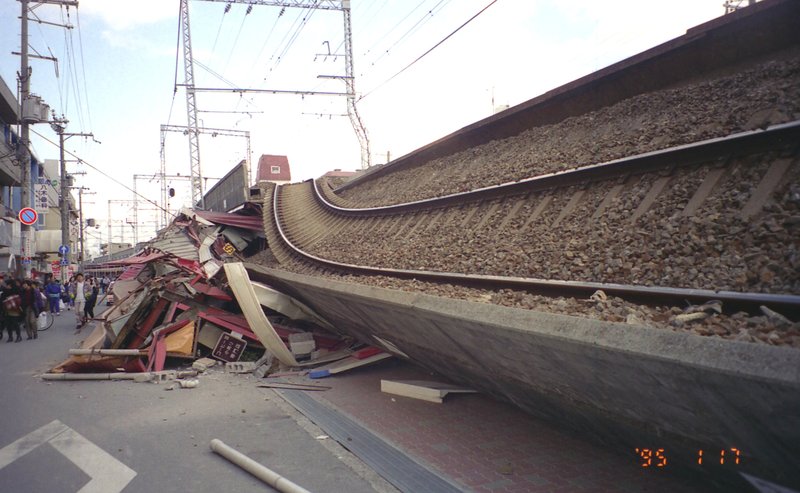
(486, 445)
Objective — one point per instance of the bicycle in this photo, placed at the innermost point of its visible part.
(48, 321)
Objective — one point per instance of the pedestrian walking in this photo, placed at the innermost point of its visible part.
(53, 291)
(31, 306)
(78, 296)
(91, 300)
(12, 308)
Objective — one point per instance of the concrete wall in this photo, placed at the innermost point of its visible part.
(623, 385)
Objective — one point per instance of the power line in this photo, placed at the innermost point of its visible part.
(429, 50)
(222, 21)
(425, 18)
(236, 40)
(390, 31)
(126, 187)
(269, 35)
(298, 22)
(83, 68)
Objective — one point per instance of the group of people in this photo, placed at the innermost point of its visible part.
(78, 293)
(21, 302)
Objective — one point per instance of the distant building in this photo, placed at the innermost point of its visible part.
(337, 173)
(112, 248)
(274, 169)
(337, 177)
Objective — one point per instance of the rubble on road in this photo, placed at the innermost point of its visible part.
(186, 300)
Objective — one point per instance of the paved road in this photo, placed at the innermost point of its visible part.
(109, 436)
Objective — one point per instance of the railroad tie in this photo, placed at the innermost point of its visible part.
(513, 212)
(472, 210)
(766, 187)
(492, 210)
(703, 191)
(610, 196)
(650, 198)
(537, 211)
(567, 209)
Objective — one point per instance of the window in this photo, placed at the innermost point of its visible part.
(275, 169)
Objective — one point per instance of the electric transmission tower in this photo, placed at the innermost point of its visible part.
(191, 107)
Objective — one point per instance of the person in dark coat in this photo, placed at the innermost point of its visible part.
(11, 300)
(31, 306)
(91, 299)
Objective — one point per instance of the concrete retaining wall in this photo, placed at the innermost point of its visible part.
(626, 386)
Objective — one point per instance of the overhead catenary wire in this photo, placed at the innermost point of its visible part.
(222, 21)
(292, 33)
(421, 22)
(74, 76)
(267, 38)
(429, 50)
(123, 185)
(83, 69)
(236, 40)
(390, 31)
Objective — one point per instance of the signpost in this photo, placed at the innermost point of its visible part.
(28, 216)
(229, 348)
(40, 195)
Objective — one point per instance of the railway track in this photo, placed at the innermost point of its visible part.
(638, 193)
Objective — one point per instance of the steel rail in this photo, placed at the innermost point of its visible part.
(788, 305)
(679, 156)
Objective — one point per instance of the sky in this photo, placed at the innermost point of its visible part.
(118, 67)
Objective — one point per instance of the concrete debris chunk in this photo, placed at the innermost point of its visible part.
(266, 359)
(204, 364)
(240, 367)
(262, 371)
(189, 383)
(599, 296)
(774, 316)
(710, 307)
(685, 318)
(155, 376)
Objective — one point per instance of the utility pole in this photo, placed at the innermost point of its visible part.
(81, 191)
(59, 127)
(23, 149)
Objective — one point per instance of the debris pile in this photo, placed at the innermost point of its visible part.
(186, 296)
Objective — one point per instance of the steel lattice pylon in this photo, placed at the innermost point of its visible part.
(191, 110)
(349, 78)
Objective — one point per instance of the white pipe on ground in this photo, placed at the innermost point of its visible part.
(264, 474)
(89, 376)
(106, 352)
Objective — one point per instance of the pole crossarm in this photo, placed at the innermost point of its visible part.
(243, 90)
(225, 132)
(66, 3)
(302, 4)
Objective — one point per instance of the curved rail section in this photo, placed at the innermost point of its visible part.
(789, 304)
(679, 156)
